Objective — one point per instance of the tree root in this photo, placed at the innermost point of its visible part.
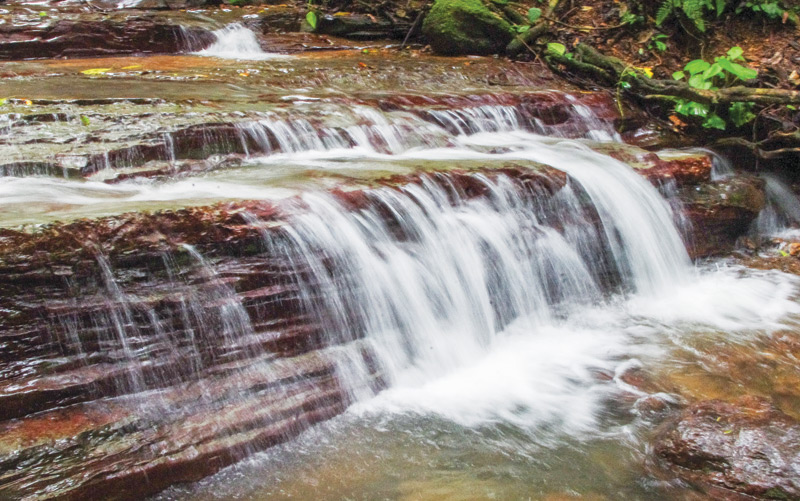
(587, 62)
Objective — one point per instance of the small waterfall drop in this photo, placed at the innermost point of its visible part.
(782, 211)
(431, 273)
(235, 41)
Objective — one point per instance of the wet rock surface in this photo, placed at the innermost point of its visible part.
(81, 38)
(128, 362)
(147, 365)
(746, 447)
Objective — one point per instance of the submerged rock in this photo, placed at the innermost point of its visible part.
(747, 447)
(466, 27)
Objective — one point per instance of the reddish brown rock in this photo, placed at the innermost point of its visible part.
(747, 447)
(88, 38)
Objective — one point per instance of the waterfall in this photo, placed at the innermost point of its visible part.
(782, 211)
(431, 273)
(234, 41)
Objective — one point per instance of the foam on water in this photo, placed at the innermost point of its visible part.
(234, 41)
(545, 374)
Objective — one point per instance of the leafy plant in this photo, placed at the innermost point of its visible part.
(557, 48)
(697, 11)
(658, 42)
(724, 72)
(693, 10)
(311, 19)
(311, 15)
(772, 9)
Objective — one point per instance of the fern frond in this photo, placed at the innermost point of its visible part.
(664, 11)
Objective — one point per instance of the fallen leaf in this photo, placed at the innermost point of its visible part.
(96, 71)
(132, 67)
(677, 121)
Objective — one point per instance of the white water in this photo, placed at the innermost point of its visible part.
(546, 374)
(234, 41)
(527, 414)
(781, 216)
(447, 280)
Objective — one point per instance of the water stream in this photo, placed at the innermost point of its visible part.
(483, 323)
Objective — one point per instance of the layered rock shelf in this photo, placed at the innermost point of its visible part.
(141, 364)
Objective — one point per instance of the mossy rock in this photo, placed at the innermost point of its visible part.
(455, 27)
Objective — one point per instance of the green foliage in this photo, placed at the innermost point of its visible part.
(771, 9)
(311, 19)
(629, 18)
(725, 71)
(658, 42)
(85, 120)
(693, 10)
(311, 15)
(557, 48)
(534, 14)
(697, 12)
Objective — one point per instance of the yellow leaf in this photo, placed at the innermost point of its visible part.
(648, 71)
(28, 102)
(95, 71)
(132, 67)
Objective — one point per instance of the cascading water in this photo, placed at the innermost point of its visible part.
(489, 306)
(782, 212)
(474, 276)
(430, 276)
(235, 41)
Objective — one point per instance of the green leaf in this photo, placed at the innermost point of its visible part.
(735, 53)
(682, 107)
(85, 120)
(534, 14)
(772, 10)
(712, 71)
(691, 108)
(737, 70)
(741, 113)
(698, 82)
(789, 106)
(697, 109)
(696, 66)
(721, 6)
(311, 19)
(521, 29)
(557, 48)
(661, 46)
(714, 121)
(43, 14)
(625, 85)
(679, 75)
(3, 101)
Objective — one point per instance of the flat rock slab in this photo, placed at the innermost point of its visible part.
(747, 447)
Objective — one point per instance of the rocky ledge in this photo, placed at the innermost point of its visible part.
(734, 449)
(142, 350)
